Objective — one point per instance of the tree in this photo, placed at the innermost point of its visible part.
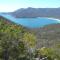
(30, 42)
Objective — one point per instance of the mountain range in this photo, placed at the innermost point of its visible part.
(36, 12)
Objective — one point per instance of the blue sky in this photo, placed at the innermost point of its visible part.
(11, 5)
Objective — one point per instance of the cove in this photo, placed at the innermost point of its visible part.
(31, 22)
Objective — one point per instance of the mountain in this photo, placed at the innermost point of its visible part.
(36, 12)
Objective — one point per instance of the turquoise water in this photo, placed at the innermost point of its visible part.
(31, 22)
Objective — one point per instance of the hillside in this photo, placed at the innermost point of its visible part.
(37, 12)
(48, 36)
(12, 41)
(16, 41)
(11, 26)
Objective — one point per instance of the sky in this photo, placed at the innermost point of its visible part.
(12, 5)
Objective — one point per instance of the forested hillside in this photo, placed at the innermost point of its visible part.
(20, 43)
(13, 45)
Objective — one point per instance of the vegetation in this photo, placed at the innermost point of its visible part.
(47, 54)
(18, 43)
(11, 44)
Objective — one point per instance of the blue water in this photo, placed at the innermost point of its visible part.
(31, 22)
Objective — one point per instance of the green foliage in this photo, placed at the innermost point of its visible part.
(50, 53)
(30, 39)
(30, 43)
(11, 45)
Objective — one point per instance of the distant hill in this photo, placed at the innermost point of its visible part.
(37, 12)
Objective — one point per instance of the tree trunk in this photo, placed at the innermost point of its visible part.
(6, 55)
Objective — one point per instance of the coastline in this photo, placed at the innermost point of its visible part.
(50, 18)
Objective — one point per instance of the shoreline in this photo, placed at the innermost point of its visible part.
(50, 18)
